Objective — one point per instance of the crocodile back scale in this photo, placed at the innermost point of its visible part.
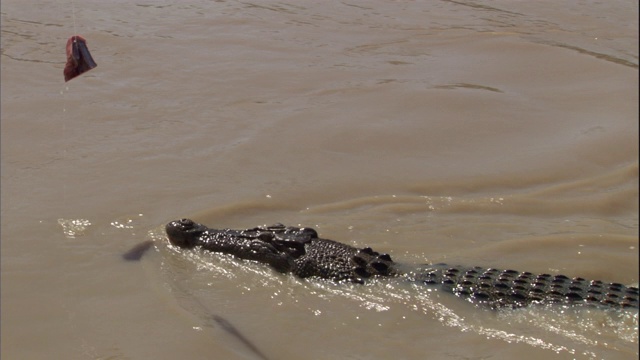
(300, 251)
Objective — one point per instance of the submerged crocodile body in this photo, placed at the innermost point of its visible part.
(300, 251)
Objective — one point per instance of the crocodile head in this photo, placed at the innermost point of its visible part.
(276, 245)
(285, 248)
(184, 233)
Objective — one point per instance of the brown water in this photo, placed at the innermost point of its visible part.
(492, 133)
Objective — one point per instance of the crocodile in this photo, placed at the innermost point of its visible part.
(300, 251)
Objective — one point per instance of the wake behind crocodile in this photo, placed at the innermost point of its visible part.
(561, 328)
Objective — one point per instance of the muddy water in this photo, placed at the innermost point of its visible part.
(497, 133)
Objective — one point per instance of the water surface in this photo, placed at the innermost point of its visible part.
(490, 133)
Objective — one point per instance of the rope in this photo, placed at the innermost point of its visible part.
(73, 14)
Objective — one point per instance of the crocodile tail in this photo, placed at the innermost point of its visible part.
(497, 288)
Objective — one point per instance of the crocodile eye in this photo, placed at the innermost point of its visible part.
(310, 232)
(266, 236)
